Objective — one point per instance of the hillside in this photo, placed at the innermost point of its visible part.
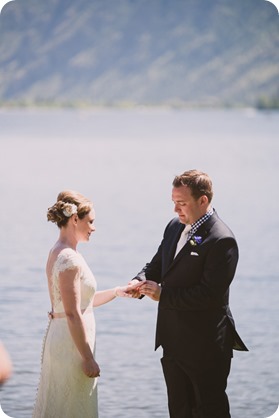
(143, 52)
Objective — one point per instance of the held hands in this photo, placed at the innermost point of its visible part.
(148, 288)
(137, 288)
(129, 290)
(134, 288)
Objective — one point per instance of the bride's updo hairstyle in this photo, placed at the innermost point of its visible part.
(68, 203)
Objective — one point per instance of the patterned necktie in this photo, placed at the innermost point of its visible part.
(183, 239)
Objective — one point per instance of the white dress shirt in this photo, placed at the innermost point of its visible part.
(183, 239)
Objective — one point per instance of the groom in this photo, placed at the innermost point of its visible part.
(190, 277)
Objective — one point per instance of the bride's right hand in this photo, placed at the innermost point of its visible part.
(90, 368)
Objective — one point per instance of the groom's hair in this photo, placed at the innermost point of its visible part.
(198, 182)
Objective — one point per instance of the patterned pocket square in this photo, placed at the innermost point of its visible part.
(193, 253)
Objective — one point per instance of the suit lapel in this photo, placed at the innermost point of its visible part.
(173, 244)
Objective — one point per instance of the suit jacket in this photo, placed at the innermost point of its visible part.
(194, 319)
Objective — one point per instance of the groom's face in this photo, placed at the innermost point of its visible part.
(188, 208)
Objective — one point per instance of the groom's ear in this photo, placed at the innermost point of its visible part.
(204, 200)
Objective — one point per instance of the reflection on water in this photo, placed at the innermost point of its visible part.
(125, 161)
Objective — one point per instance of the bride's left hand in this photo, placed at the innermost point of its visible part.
(128, 290)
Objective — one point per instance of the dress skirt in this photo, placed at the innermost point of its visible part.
(64, 390)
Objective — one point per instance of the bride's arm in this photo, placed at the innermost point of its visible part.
(69, 281)
(104, 296)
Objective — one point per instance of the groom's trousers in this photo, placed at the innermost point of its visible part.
(197, 394)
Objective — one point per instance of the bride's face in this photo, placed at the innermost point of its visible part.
(86, 226)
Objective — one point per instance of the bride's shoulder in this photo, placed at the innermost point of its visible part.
(61, 259)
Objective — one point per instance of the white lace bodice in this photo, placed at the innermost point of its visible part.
(69, 259)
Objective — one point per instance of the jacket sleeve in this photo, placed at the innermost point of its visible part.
(211, 289)
(153, 270)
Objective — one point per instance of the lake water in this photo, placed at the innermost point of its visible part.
(125, 161)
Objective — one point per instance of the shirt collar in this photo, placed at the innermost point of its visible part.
(195, 226)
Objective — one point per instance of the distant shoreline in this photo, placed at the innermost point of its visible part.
(261, 105)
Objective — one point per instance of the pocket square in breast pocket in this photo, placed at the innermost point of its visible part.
(193, 253)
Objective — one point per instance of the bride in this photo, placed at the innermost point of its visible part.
(69, 371)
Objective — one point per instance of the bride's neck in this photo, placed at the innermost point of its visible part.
(67, 239)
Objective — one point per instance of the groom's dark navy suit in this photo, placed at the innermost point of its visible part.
(195, 326)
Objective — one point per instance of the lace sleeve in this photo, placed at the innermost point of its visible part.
(67, 259)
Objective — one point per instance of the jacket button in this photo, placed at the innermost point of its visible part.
(163, 283)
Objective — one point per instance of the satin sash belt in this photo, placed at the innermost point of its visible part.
(56, 315)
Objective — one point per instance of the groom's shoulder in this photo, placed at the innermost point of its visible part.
(173, 225)
(220, 227)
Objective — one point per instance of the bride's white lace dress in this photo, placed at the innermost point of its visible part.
(64, 390)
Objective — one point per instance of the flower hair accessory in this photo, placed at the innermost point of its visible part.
(69, 209)
(196, 240)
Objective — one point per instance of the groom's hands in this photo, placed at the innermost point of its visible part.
(145, 288)
(150, 289)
